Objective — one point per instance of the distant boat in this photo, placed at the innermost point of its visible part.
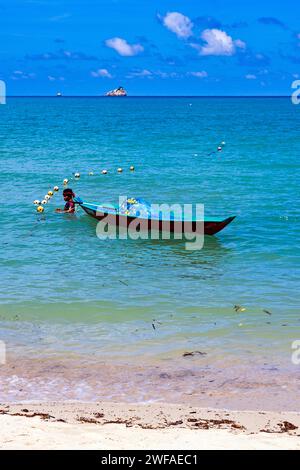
(117, 92)
(58, 94)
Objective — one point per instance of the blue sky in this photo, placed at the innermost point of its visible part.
(190, 47)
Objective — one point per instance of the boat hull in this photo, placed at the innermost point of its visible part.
(209, 227)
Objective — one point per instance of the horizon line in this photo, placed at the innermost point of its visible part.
(149, 96)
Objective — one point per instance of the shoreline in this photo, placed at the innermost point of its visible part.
(193, 379)
(108, 426)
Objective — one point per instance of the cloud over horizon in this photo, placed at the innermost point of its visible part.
(179, 24)
(61, 55)
(218, 43)
(122, 47)
(202, 74)
(103, 73)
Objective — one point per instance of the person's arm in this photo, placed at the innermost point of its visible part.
(69, 208)
(70, 211)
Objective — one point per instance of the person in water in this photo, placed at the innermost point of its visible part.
(70, 204)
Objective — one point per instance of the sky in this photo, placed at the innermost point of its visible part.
(164, 47)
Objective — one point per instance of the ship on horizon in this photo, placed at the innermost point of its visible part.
(120, 91)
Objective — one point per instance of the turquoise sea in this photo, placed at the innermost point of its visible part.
(84, 318)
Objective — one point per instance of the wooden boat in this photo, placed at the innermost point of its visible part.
(112, 215)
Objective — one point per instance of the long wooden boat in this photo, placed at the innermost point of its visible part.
(112, 215)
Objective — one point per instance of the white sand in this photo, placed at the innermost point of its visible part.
(18, 432)
(142, 427)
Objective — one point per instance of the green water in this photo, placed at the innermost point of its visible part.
(100, 297)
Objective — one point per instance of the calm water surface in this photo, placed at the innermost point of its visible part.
(67, 295)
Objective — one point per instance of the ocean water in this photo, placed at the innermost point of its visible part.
(115, 310)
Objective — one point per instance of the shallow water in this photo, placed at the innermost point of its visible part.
(65, 293)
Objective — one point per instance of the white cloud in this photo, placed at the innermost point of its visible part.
(218, 42)
(250, 76)
(123, 48)
(201, 74)
(167, 74)
(179, 24)
(240, 44)
(53, 79)
(101, 73)
(19, 75)
(140, 74)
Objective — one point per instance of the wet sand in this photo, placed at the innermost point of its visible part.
(108, 426)
(191, 379)
(77, 403)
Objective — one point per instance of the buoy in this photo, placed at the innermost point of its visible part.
(77, 175)
(223, 143)
(56, 188)
(120, 170)
(50, 193)
(44, 201)
(47, 197)
(40, 209)
(104, 172)
(132, 168)
(66, 181)
(36, 202)
(91, 173)
(219, 149)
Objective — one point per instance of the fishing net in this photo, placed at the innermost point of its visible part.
(136, 207)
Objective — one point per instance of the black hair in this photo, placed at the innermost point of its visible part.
(68, 192)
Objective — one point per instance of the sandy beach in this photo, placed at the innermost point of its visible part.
(109, 426)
